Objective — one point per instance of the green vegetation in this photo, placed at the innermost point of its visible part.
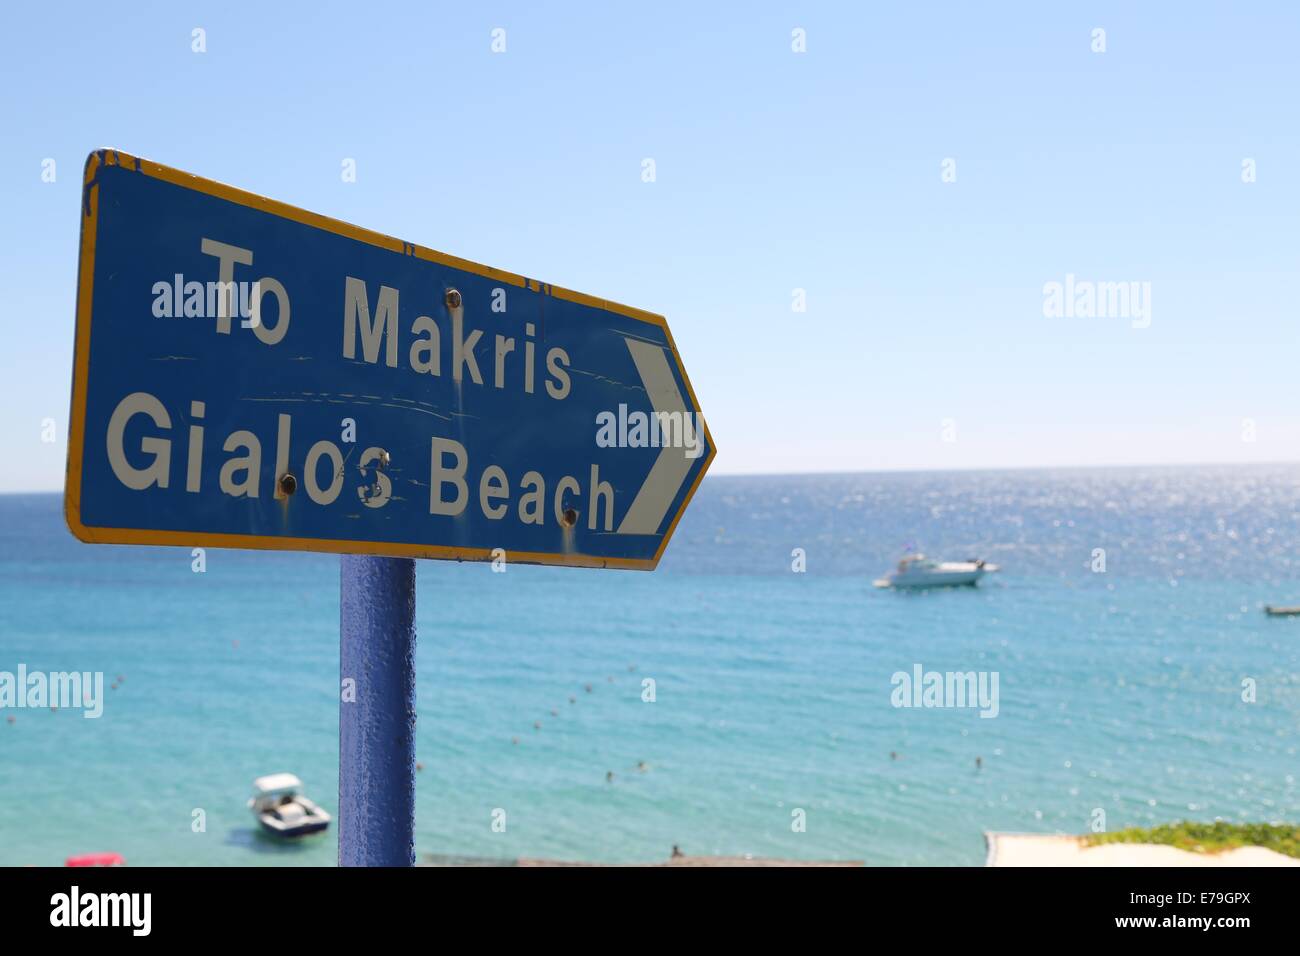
(1209, 837)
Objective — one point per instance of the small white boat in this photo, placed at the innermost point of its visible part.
(1273, 610)
(280, 807)
(918, 571)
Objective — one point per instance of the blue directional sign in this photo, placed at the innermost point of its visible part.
(251, 375)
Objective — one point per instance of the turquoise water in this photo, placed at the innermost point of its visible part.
(1119, 691)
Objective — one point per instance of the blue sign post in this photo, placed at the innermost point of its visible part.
(377, 730)
(251, 375)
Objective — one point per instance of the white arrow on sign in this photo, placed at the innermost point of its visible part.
(672, 466)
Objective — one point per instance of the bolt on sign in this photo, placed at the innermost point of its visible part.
(251, 375)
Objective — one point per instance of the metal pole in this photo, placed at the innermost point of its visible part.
(377, 726)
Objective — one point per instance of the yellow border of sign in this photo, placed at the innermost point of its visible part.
(81, 359)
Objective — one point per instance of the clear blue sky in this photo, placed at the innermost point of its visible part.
(775, 171)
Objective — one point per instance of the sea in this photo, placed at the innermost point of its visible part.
(742, 699)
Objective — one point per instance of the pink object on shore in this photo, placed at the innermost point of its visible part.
(96, 859)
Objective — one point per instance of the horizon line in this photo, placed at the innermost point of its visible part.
(915, 470)
(974, 469)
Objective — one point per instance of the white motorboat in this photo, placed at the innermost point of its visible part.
(918, 571)
(281, 808)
